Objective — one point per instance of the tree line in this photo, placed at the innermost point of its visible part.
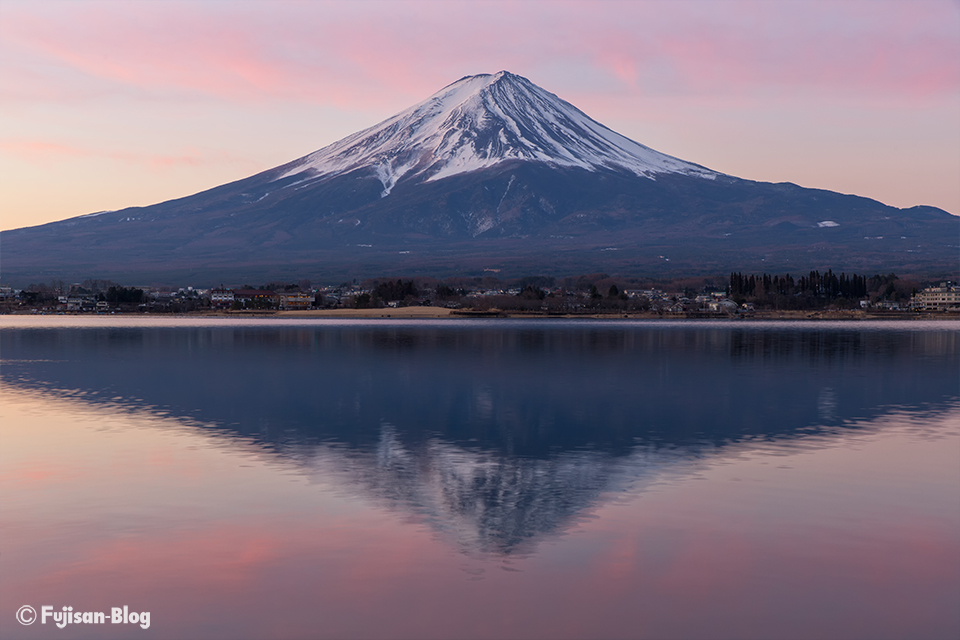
(116, 295)
(816, 288)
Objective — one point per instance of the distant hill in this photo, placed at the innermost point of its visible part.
(490, 173)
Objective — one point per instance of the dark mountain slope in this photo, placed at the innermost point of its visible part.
(492, 172)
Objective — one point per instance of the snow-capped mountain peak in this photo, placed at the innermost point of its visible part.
(478, 122)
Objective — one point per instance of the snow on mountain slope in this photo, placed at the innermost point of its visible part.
(480, 121)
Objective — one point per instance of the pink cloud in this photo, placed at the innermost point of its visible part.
(348, 56)
(38, 149)
(45, 151)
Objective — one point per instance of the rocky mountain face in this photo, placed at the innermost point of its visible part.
(490, 173)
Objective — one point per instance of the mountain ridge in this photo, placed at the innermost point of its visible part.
(491, 172)
(477, 122)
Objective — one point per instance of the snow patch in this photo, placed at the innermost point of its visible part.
(483, 225)
(505, 192)
(478, 122)
(388, 175)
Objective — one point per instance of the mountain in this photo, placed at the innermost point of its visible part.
(490, 173)
(477, 123)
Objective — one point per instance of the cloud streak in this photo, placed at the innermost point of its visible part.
(44, 151)
(348, 55)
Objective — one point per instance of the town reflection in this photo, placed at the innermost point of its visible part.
(496, 434)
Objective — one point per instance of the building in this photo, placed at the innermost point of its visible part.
(723, 305)
(943, 298)
(80, 303)
(296, 300)
(650, 294)
(221, 297)
(255, 298)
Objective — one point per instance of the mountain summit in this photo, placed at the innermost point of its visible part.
(489, 173)
(478, 122)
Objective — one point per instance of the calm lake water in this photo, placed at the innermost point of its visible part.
(481, 479)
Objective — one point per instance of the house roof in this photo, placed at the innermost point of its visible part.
(253, 293)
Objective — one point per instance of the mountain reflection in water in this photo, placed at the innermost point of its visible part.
(497, 433)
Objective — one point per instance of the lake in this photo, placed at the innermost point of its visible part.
(480, 478)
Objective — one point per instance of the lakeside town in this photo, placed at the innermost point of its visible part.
(597, 295)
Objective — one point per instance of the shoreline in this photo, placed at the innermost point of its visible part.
(441, 313)
(455, 314)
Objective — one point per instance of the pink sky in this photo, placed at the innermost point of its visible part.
(113, 104)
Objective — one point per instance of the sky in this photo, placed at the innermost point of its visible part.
(105, 105)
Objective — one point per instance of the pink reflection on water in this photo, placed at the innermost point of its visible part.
(856, 538)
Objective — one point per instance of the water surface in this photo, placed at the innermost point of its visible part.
(483, 479)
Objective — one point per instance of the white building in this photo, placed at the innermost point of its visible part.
(942, 298)
(221, 297)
